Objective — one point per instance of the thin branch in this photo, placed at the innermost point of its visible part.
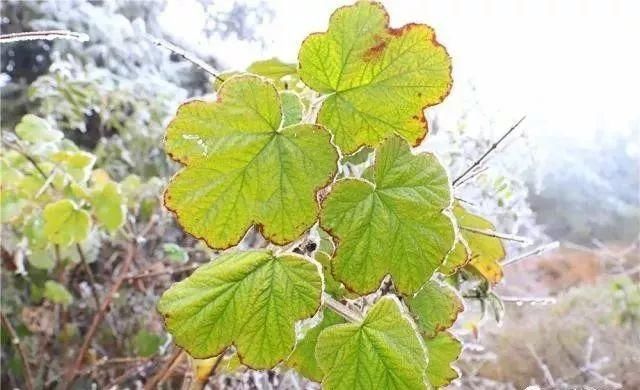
(504, 236)
(341, 309)
(99, 316)
(92, 279)
(187, 56)
(15, 340)
(471, 176)
(143, 275)
(29, 158)
(543, 367)
(488, 152)
(534, 300)
(535, 252)
(165, 370)
(48, 35)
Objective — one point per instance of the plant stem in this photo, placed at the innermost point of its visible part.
(341, 309)
(491, 233)
(48, 35)
(164, 372)
(99, 316)
(187, 56)
(92, 279)
(15, 340)
(535, 252)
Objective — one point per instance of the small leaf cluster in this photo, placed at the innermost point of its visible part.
(57, 208)
(321, 151)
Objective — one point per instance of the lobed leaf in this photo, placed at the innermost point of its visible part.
(109, 206)
(393, 225)
(243, 168)
(65, 223)
(249, 299)
(444, 349)
(435, 307)
(303, 358)
(485, 252)
(384, 351)
(378, 79)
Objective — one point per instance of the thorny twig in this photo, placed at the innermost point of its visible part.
(488, 152)
(15, 340)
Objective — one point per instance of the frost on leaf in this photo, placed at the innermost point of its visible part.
(482, 252)
(384, 351)
(444, 349)
(393, 224)
(378, 79)
(242, 167)
(250, 299)
(435, 307)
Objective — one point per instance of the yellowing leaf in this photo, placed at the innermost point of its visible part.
(384, 351)
(35, 129)
(249, 299)
(242, 168)
(435, 307)
(108, 206)
(77, 164)
(485, 252)
(378, 79)
(65, 223)
(394, 225)
(444, 349)
(303, 358)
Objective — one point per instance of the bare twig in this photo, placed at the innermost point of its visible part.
(99, 316)
(48, 35)
(15, 340)
(187, 56)
(471, 176)
(92, 279)
(491, 233)
(165, 370)
(143, 275)
(535, 252)
(543, 367)
(488, 152)
(532, 300)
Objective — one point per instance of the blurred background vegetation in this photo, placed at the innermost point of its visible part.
(111, 97)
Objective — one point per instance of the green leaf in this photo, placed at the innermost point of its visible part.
(485, 252)
(175, 253)
(57, 293)
(242, 168)
(108, 206)
(444, 349)
(272, 68)
(146, 343)
(435, 307)
(78, 163)
(394, 225)
(303, 358)
(65, 223)
(378, 79)
(249, 299)
(331, 285)
(384, 351)
(292, 108)
(456, 259)
(35, 129)
(41, 258)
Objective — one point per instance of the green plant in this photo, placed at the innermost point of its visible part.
(328, 162)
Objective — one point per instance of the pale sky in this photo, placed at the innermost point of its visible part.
(571, 65)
